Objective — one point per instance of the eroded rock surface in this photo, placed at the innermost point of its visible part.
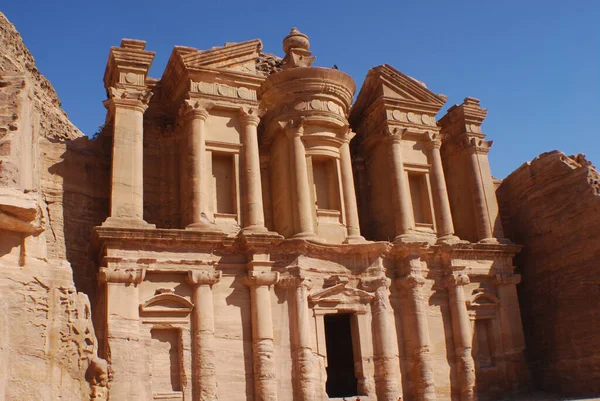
(47, 341)
(551, 205)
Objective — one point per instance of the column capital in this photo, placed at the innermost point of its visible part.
(295, 282)
(372, 284)
(256, 279)
(476, 145)
(293, 128)
(410, 280)
(204, 277)
(433, 140)
(128, 98)
(395, 134)
(348, 135)
(251, 115)
(193, 108)
(507, 279)
(124, 276)
(455, 279)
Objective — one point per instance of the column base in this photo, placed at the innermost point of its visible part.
(415, 236)
(450, 239)
(201, 226)
(255, 229)
(127, 222)
(306, 235)
(355, 239)
(262, 233)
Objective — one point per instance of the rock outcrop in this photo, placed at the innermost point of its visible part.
(552, 206)
(47, 340)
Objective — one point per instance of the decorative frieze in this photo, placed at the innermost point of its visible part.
(218, 89)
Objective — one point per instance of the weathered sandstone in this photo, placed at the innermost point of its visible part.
(239, 230)
(552, 206)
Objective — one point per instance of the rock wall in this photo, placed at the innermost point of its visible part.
(552, 206)
(49, 175)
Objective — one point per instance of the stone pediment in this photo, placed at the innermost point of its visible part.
(340, 294)
(239, 57)
(167, 303)
(387, 87)
(395, 84)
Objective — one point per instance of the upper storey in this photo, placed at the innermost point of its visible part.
(231, 139)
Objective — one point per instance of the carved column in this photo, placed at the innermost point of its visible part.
(122, 332)
(265, 383)
(462, 329)
(254, 216)
(303, 372)
(204, 381)
(127, 194)
(513, 341)
(480, 206)
(385, 341)
(304, 209)
(196, 204)
(416, 330)
(350, 206)
(445, 226)
(404, 218)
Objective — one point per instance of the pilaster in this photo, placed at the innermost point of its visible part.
(128, 97)
(265, 378)
(387, 373)
(461, 329)
(204, 381)
(122, 331)
(416, 328)
(305, 380)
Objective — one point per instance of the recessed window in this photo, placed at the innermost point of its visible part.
(341, 380)
(419, 196)
(483, 343)
(326, 183)
(223, 174)
(166, 377)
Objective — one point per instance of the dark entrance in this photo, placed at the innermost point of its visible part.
(341, 381)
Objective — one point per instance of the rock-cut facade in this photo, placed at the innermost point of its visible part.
(245, 231)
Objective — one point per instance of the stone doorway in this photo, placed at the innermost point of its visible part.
(341, 380)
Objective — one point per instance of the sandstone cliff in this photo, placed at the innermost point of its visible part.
(47, 340)
(552, 207)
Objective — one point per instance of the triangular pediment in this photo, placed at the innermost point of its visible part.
(388, 86)
(239, 57)
(340, 294)
(395, 84)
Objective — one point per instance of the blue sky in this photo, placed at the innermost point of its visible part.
(534, 64)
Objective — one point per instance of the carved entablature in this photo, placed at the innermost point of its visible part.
(483, 305)
(128, 65)
(461, 126)
(341, 298)
(218, 89)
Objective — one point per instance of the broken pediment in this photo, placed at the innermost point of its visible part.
(167, 303)
(340, 294)
(239, 57)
